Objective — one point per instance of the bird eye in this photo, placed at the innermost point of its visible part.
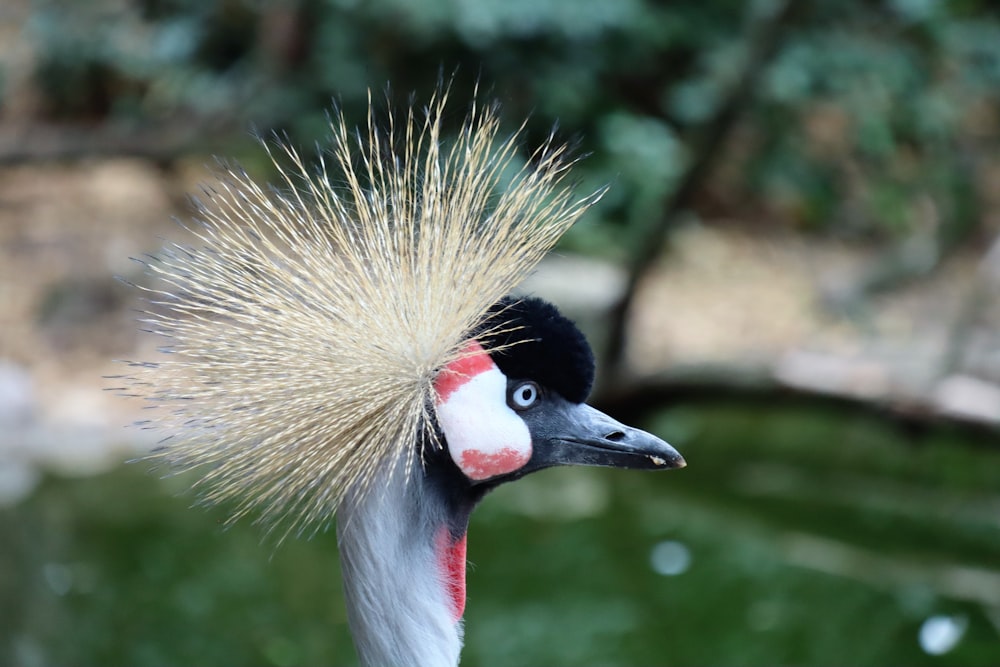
(524, 396)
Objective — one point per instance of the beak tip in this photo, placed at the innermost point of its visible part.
(672, 463)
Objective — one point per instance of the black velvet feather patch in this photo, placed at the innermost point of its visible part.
(538, 343)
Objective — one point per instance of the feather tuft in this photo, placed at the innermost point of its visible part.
(305, 328)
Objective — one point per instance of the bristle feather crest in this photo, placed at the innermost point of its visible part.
(306, 331)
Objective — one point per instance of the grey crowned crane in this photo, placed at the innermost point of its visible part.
(345, 346)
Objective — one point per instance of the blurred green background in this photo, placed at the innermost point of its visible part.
(801, 222)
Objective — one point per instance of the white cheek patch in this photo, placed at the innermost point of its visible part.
(485, 437)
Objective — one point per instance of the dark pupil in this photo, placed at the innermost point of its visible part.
(526, 393)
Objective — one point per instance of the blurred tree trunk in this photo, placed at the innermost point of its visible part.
(764, 37)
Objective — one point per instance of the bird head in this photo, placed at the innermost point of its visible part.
(319, 333)
(513, 403)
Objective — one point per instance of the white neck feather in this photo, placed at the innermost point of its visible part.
(398, 604)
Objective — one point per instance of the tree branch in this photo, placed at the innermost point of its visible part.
(52, 143)
(639, 400)
(765, 35)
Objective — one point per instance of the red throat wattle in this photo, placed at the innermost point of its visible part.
(450, 555)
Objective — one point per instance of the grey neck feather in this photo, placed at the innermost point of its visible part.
(398, 606)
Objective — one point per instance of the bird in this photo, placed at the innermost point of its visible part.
(346, 346)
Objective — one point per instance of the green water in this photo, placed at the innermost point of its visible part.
(793, 537)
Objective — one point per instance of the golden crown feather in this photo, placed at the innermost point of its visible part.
(305, 327)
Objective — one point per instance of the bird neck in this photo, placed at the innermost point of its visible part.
(402, 553)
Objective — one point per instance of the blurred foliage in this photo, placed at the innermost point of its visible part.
(873, 119)
(802, 536)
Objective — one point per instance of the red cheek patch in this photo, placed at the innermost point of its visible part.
(485, 437)
(479, 465)
(474, 360)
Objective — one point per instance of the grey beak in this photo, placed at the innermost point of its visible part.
(577, 434)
